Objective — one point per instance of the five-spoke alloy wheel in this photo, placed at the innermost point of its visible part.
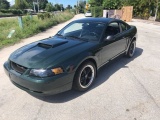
(131, 49)
(84, 76)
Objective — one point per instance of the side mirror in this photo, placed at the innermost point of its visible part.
(109, 38)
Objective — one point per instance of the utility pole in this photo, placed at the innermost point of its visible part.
(36, 3)
(34, 7)
(77, 6)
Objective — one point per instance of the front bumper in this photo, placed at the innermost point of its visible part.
(43, 86)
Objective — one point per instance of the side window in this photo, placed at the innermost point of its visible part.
(112, 29)
(124, 27)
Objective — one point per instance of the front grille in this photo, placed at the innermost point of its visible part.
(18, 68)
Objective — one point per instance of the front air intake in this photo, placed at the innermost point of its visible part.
(18, 68)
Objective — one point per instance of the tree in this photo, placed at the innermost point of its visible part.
(62, 8)
(4, 4)
(69, 7)
(76, 9)
(141, 8)
(42, 4)
(57, 7)
(81, 6)
(94, 3)
(49, 7)
(157, 6)
(112, 4)
(21, 4)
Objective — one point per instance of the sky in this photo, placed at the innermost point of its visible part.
(64, 2)
(11, 2)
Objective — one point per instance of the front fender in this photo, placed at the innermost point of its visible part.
(71, 65)
(89, 57)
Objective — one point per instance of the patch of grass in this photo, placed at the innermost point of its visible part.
(30, 27)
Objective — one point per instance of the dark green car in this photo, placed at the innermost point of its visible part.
(71, 58)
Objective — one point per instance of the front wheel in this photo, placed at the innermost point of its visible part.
(131, 49)
(84, 76)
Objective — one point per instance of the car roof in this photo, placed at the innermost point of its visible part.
(102, 20)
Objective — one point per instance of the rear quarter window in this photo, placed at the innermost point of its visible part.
(124, 27)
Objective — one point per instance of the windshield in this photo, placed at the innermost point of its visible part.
(90, 31)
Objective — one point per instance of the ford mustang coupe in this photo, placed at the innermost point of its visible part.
(71, 58)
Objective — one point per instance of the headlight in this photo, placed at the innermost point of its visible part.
(46, 73)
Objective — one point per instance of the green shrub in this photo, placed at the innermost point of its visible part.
(4, 11)
(40, 16)
(16, 12)
(97, 11)
(43, 16)
(12, 11)
(47, 15)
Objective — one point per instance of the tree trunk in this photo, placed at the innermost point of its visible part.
(156, 10)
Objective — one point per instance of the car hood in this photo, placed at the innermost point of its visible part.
(41, 53)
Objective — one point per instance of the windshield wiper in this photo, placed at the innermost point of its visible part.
(59, 34)
(75, 37)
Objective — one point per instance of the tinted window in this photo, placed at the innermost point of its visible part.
(123, 26)
(112, 29)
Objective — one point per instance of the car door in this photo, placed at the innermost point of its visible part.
(125, 31)
(116, 45)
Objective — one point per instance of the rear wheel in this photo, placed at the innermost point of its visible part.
(131, 49)
(84, 76)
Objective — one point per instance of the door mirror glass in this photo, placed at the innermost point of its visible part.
(109, 38)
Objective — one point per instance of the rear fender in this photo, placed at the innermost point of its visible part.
(130, 41)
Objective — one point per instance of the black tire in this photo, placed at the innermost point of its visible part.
(84, 76)
(131, 49)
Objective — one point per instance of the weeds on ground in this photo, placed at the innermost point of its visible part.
(31, 26)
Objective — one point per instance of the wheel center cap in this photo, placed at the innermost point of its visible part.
(86, 76)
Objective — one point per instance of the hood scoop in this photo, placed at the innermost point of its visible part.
(47, 46)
